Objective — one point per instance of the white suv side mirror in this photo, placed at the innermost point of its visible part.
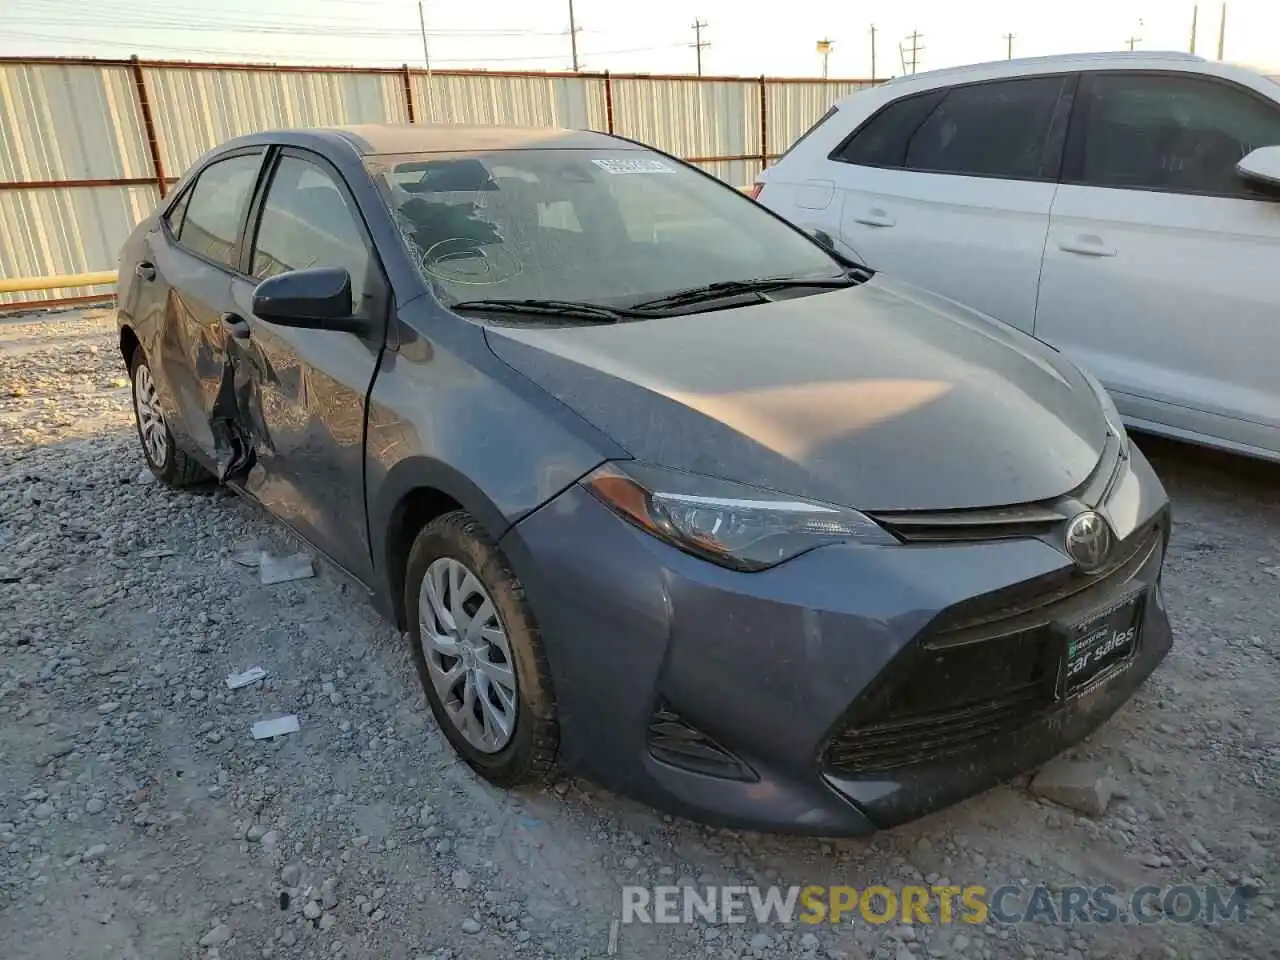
(1261, 166)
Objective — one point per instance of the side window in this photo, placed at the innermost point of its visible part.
(212, 216)
(177, 213)
(1172, 133)
(306, 222)
(882, 140)
(1003, 129)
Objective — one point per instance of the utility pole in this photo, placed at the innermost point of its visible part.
(426, 56)
(1222, 31)
(915, 50)
(824, 48)
(1195, 15)
(873, 51)
(573, 36)
(1131, 41)
(1008, 38)
(698, 42)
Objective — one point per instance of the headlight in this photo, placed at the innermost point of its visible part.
(1114, 423)
(731, 524)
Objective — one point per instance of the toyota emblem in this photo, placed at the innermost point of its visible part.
(1089, 541)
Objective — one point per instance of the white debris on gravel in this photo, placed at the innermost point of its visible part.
(237, 680)
(156, 829)
(275, 727)
(273, 570)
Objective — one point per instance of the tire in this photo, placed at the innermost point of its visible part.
(172, 466)
(529, 752)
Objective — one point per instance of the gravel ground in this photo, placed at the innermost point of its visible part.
(139, 819)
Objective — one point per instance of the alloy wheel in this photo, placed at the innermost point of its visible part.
(150, 420)
(468, 655)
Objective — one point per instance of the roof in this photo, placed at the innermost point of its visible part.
(1134, 59)
(374, 139)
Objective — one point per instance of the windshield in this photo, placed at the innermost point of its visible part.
(601, 226)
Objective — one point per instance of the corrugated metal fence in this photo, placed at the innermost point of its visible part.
(88, 147)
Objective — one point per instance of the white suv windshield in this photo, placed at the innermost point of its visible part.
(604, 226)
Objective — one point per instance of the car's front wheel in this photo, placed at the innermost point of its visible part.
(172, 465)
(478, 652)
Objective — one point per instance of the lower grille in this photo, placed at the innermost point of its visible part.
(988, 667)
(675, 741)
(890, 745)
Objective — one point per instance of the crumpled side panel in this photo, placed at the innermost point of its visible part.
(237, 422)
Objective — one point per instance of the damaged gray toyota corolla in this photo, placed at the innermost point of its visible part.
(661, 490)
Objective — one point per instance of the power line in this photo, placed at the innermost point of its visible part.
(176, 51)
(698, 42)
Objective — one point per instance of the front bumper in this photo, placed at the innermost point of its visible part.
(726, 696)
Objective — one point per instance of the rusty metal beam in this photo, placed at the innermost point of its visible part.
(764, 122)
(58, 184)
(148, 124)
(408, 93)
(302, 68)
(608, 102)
(57, 302)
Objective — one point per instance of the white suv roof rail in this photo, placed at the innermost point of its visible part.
(1081, 59)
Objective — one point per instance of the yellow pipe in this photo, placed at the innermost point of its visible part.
(23, 284)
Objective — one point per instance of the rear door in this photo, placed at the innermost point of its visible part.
(1159, 273)
(184, 280)
(951, 189)
(310, 386)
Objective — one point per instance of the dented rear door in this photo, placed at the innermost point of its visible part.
(192, 259)
(300, 394)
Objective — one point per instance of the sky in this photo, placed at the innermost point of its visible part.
(746, 39)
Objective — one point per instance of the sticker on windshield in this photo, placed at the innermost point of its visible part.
(633, 165)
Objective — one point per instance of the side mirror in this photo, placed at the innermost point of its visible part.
(318, 298)
(1262, 167)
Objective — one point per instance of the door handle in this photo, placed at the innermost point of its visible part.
(236, 326)
(145, 271)
(1088, 245)
(875, 218)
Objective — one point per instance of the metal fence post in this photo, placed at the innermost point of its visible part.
(408, 93)
(148, 123)
(608, 102)
(764, 123)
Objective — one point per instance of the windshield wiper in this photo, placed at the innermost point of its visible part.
(569, 309)
(729, 288)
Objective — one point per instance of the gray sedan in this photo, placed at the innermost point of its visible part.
(661, 489)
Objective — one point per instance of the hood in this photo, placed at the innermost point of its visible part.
(879, 397)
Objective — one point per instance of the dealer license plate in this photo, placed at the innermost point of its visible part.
(1105, 638)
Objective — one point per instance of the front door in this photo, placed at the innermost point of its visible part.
(1158, 273)
(310, 386)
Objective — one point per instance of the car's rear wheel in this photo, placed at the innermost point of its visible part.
(164, 458)
(478, 652)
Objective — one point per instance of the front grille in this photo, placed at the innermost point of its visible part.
(985, 668)
(1018, 520)
(881, 747)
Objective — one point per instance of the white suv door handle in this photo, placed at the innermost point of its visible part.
(1087, 244)
(875, 217)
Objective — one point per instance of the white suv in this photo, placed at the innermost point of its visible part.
(1113, 205)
